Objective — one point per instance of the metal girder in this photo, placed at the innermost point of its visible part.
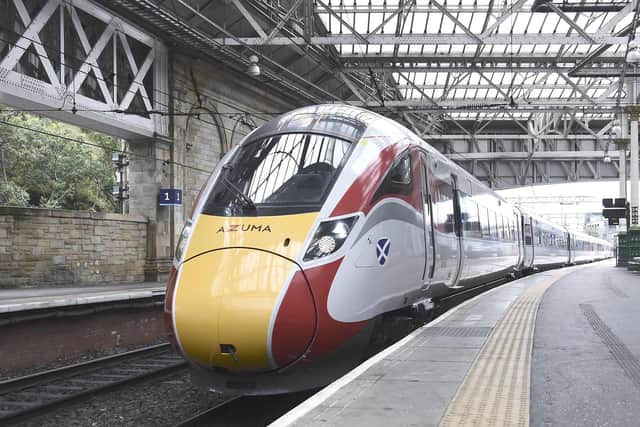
(578, 89)
(397, 11)
(389, 57)
(615, 19)
(570, 21)
(270, 61)
(421, 39)
(450, 15)
(503, 174)
(536, 155)
(488, 103)
(497, 67)
(282, 22)
(347, 25)
(502, 87)
(390, 9)
(506, 13)
(79, 90)
(481, 136)
(249, 17)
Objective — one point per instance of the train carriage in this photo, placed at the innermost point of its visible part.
(319, 227)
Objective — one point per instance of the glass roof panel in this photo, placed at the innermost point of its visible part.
(477, 22)
(535, 22)
(446, 24)
(390, 26)
(521, 22)
(534, 48)
(562, 27)
(418, 23)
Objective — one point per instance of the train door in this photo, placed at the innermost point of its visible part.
(457, 226)
(429, 240)
(441, 189)
(520, 243)
(527, 235)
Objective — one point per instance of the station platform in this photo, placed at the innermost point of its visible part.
(14, 300)
(559, 347)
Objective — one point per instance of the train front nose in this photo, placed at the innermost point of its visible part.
(227, 305)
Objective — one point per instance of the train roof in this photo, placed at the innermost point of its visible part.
(352, 123)
(342, 121)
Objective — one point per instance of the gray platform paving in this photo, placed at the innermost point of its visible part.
(583, 369)
(13, 300)
(581, 379)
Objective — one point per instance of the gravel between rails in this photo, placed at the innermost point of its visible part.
(164, 401)
(66, 361)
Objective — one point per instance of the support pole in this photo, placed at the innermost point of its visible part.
(634, 110)
(622, 149)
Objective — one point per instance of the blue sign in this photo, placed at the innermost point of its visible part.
(382, 250)
(170, 197)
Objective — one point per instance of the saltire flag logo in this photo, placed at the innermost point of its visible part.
(382, 250)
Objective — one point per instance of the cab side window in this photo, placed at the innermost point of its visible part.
(399, 180)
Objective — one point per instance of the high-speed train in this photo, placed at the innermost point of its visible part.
(321, 226)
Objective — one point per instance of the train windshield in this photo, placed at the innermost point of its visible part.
(277, 175)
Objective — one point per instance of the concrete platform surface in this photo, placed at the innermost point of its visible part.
(13, 300)
(558, 348)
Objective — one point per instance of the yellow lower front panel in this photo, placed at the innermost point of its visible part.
(227, 297)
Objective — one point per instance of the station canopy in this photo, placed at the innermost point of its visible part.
(423, 62)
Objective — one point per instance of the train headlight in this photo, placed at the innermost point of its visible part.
(329, 237)
(182, 241)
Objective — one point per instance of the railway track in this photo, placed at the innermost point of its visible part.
(249, 411)
(28, 396)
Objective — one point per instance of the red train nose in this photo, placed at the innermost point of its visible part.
(295, 326)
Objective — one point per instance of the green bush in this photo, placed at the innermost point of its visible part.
(58, 165)
(13, 195)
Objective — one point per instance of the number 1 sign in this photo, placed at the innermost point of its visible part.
(170, 197)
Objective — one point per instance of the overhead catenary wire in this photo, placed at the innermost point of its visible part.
(77, 70)
(104, 147)
(197, 115)
(258, 114)
(88, 73)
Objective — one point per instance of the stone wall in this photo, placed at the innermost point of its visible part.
(214, 108)
(60, 247)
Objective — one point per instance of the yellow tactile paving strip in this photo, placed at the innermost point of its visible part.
(495, 391)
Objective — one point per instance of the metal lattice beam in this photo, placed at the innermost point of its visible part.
(102, 99)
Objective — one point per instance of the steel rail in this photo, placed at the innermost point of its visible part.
(30, 395)
(248, 410)
(207, 413)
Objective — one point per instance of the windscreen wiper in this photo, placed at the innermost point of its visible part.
(247, 200)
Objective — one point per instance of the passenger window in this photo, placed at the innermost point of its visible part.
(484, 221)
(527, 234)
(470, 216)
(496, 226)
(399, 179)
(443, 206)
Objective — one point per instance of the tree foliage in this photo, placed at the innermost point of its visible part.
(54, 172)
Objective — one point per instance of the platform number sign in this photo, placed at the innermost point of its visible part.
(170, 197)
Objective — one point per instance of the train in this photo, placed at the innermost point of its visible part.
(321, 229)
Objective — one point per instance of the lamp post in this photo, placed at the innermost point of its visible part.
(621, 140)
(633, 58)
